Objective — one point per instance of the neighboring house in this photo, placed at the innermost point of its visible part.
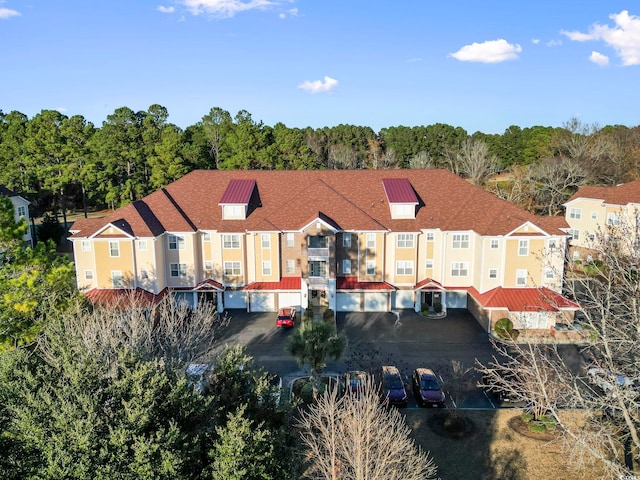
(20, 209)
(353, 240)
(593, 210)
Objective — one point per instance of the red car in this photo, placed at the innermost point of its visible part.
(286, 317)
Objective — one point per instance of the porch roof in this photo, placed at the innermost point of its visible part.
(285, 283)
(352, 283)
(124, 298)
(524, 299)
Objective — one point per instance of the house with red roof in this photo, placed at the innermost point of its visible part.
(20, 210)
(353, 240)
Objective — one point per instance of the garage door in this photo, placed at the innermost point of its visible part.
(235, 299)
(404, 299)
(348, 302)
(289, 299)
(263, 302)
(531, 320)
(376, 302)
(456, 299)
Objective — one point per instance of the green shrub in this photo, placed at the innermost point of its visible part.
(306, 393)
(328, 314)
(437, 307)
(504, 329)
(537, 427)
(578, 261)
(526, 417)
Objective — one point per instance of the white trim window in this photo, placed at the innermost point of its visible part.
(371, 240)
(232, 268)
(521, 277)
(552, 243)
(430, 236)
(346, 266)
(493, 273)
(266, 268)
(21, 211)
(428, 264)
(574, 233)
(346, 239)
(291, 266)
(459, 269)
(460, 240)
(495, 244)
(549, 274)
(208, 267)
(523, 247)
(86, 245)
(117, 281)
(290, 239)
(88, 274)
(371, 267)
(206, 237)
(265, 240)
(404, 267)
(114, 249)
(231, 241)
(594, 215)
(178, 270)
(176, 242)
(575, 213)
(404, 240)
(142, 245)
(613, 219)
(144, 275)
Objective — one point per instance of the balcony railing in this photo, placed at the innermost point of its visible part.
(318, 252)
(318, 281)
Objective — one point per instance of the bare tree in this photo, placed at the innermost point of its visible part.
(356, 437)
(553, 181)
(515, 189)
(342, 157)
(422, 160)
(603, 382)
(473, 161)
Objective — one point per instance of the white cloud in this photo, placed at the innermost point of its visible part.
(599, 59)
(535, 41)
(554, 43)
(624, 37)
(163, 9)
(414, 60)
(492, 51)
(61, 109)
(8, 13)
(317, 86)
(292, 12)
(225, 8)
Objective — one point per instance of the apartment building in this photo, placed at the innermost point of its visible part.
(20, 211)
(364, 240)
(595, 210)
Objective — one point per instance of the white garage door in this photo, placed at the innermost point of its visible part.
(456, 299)
(263, 302)
(289, 299)
(348, 302)
(235, 299)
(404, 299)
(532, 320)
(376, 302)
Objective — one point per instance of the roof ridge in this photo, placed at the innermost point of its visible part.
(178, 208)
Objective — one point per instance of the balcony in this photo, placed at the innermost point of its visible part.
(318, 281)
(319, 253)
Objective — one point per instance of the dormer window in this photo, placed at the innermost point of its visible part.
(402, 199)
(235, 199)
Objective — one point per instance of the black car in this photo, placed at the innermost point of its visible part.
(393, 390)
(427, 389)
(354, 381)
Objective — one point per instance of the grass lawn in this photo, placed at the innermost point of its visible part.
(493, 450)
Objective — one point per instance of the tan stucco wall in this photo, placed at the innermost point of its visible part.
(105, 264)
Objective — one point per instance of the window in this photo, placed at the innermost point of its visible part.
(208, 266)
(460, 240)
(290, 239)
(371, 267)
(346, 239)
(178, 270)
(86, 246)
(552, 244)
(266, 240)
(346, 266)
(523, 248)
(594, 215)
(233, 211)
(548, 274)
(404, 240)
(613, 219)
(575, 234)
(429, 264)
(493, 273)
(144, 275)
(266, 268)
(142, 245)
(291, 266)
(404, 267)
(371, 240)
(521, 277)
(430, 236)
(591, 237)
(176, 242)
(206, 237)
(21, 211)
(114, 249)
(116, 279)
(495, 243)
(231, 241)
(459, 269)
(232, 268)
(575, 213)
(88, 274)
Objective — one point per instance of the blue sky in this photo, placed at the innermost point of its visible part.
(478, 65)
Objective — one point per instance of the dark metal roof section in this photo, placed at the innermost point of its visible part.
(238, 192)
(399, 190)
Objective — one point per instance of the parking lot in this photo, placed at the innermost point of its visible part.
(407, 341)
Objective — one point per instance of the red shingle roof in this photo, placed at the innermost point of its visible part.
(238, 192)
(616, 195)
(352, 283)
(524, 299)
(286, 283)
(399, 190)
(124, 299)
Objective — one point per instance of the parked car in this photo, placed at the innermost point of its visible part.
(426, 388)
(354, 382)
(611, 383)
(393, 389)
(198, 376)
(502, 398)
(286, 317)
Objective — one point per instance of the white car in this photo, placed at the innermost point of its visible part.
(610, 382)
(198, 376)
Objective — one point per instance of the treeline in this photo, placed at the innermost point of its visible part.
(64, 163)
